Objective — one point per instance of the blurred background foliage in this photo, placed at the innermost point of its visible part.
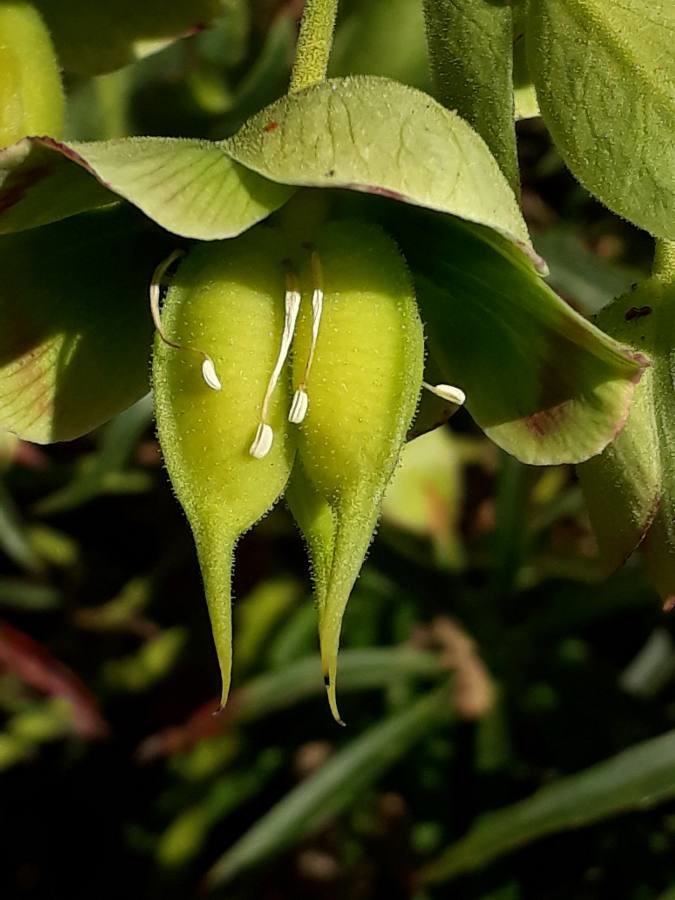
(511, 715)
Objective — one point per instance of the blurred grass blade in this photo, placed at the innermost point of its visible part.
(669, 894)
(360, 670)
(14, 541)
(280, 688)
(636, 779)
(15, 593)
(116, 447)
(186, 835)
(333, 787)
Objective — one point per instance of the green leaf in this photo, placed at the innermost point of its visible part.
(377, 136)
(605, 79)
(95, 37)
(542, 382)
(189, 187)
(75, 330)
(630, 489)
(636, 779)
(471, 50)
(334, 787)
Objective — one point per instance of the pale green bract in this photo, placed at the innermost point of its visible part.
(189, 187)
(378, 136)
(605, 79)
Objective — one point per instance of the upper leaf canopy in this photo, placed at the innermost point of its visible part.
(605, 79)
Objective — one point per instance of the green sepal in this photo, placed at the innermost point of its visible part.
(380, 137)
(630, 488)
(75, 328)
(189, 187)
(542, 382)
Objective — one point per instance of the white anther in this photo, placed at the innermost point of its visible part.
(448, 392)
(262, 443)
(298, 407)
(210, 375)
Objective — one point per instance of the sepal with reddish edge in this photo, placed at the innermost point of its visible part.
(543, 383)
(630, 488)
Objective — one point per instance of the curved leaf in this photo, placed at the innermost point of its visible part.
(541, 381)
(605, 79)
(75, 330)
(377, 136)
(189, 187)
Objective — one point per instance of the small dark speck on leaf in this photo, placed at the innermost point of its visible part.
(637, 312)
(330, 173)
(326, 680)
(271, 126)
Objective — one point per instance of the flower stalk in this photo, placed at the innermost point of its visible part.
(314, 44)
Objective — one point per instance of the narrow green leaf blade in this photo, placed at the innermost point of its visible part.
(360, 670)
(543, 382)
(113, 452)
(636, 779)
(334, 787)
(471, 50)
(605, 79)
(377, 136)
(75, 329)
(189, 187)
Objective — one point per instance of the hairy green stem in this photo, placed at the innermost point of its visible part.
(664, 259)
(314, 44)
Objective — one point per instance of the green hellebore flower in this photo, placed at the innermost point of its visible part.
(331, 423)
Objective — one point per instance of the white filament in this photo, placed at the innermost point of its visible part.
(209, 373)
(301, 398)
(264, 436)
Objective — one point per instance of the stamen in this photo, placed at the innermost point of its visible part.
(264, 437)
(448, 392)
(300, 398)
(209, 373)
